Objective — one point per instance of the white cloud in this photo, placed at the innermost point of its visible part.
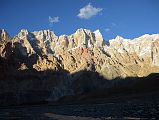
(88, 11)
(53, 19)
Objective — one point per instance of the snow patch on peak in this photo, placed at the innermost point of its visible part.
(63, 36)
(89, 44)
(149, 36)
(119, 38)
(97, 32)
(79, 30)
(24, 31)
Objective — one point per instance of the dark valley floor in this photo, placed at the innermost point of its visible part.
(141, 106)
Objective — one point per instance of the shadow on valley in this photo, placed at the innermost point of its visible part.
(19, 87)
(93, 87)
(53, 91)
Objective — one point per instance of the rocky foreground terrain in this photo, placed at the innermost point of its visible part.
(37, 67)
(138, 107)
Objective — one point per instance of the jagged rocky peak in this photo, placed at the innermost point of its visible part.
(45, 34)
(37, 35)
(21, 43)
(81, 37)
(4, 36)
(41, 42)
(81, 30)
(63, 41)
(23, 33)
(85, 48)
(98, 35)
(117, 42)
(5, 41)
(149, 36)
(97, 32)
(48, 42)
(117, 39)
(87, 38)
(99, 38)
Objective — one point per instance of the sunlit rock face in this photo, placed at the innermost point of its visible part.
(136, 55)
(4, 42)
(84, 50)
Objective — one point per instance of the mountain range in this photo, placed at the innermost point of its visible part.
(47, 67)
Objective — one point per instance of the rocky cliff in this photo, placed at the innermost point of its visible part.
(54, 61)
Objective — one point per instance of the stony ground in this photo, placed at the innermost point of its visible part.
(138, 107)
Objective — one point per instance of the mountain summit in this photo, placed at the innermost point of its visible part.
(83, 50)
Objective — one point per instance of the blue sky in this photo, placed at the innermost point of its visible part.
(127, 18)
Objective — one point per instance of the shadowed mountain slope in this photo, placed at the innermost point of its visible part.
(41, 67)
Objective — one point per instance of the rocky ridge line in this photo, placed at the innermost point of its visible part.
(83, 50)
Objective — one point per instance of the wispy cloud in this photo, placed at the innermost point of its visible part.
(53, 20)
(110, 28)
(107, 29)
(89, 11)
